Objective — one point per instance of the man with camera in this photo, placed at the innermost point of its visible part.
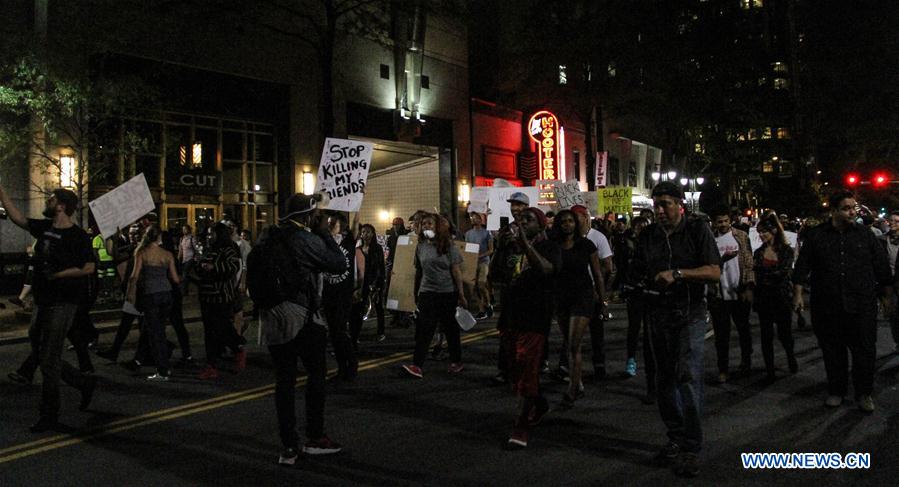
(675, 258)
(63, 260)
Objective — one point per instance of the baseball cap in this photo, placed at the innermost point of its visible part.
(519, 197)
(580, 210)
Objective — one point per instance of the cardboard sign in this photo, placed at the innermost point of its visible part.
(469, 253)
(499, 207)
(343, 172)
(400, 296)
(122, 206)
(617, 199)
(568, 194)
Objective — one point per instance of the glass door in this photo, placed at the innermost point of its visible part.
(204, 219)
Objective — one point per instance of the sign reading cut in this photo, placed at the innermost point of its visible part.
(544, 129)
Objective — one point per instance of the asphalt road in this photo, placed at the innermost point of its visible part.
(443, 430)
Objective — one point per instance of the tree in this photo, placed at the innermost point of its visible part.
(58, 121)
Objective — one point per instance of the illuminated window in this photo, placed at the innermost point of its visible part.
(781, 83)
(750, 4)
(783, 133)
(779, 67)
(563, 74)
(753, 135)
(768, 167)
(67, 171)
(612, 70)
(698, 149)
(762, 81)
(766, 134)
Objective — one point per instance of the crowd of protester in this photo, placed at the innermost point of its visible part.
(316, 275)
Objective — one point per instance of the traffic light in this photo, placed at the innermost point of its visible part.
(852, 180)
(880, 180)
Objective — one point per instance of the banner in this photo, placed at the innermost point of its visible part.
(568, 194)
(343, 172)
(122, 206)
(602, 167)
(617, 199)
(499, 207)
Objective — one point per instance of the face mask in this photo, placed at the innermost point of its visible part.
(429, 234)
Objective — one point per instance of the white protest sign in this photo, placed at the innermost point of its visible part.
(568, 194)
(499, 206)
(343, 172)
(480, 196)
(122, 206)
(602, 165)
(591, 200)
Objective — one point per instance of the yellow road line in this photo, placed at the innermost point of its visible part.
(60, 441)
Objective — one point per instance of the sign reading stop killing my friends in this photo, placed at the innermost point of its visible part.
(343, 172)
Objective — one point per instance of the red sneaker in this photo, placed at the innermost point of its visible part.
(208, 373)
(413, 370)
(240, 360)
(321, 446)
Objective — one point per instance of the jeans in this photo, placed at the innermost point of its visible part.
(309, 346)
(436, 309)
(636, 316)
(678, 350)
(358, 313)
(157, 307)
(218, 330)
(598, 338)
(47, 333)
(774, 312)
(722, 313)
(840, 332)
(177, 320)
(337, 315)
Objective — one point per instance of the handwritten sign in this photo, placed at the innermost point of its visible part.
(568, 194)
(480, 196)
(617, 199)
(122, 206)
(499, 206)
(343, 172)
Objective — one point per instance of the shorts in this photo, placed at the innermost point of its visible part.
(580, 303)
(481, 278)
(525, 357)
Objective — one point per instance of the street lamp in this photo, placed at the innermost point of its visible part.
(684, 181)
(672, 175)
(656, 176)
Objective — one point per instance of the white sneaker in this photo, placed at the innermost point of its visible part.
(158, 378)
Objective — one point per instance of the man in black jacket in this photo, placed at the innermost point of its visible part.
(845, 266)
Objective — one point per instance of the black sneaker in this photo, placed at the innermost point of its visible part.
(687, 465)
(667, 454)
(288, 457)
(19, 378)
(43, 425)
(490, 311)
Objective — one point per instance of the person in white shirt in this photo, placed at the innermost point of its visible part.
(597, 325)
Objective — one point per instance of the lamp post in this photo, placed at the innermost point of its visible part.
(692, 195)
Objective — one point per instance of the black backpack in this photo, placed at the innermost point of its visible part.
(273, 273)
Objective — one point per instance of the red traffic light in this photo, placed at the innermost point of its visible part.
(880, 180)
(852, 179)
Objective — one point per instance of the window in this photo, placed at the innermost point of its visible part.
(750, 4)
(385, 71)
(779, 67)
(753, 134)
(698, 149)
(781, 83)
(767, 167)
(612, 70)
(766, 134)
(425, 82)
(563, 74)
(783, 133)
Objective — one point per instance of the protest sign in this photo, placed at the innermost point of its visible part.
(401, 295)
(617, 199)
(122, 206)
(480, 196)
(469, 253)
(547, 201)
(602, 164)
(343, 172)
(499, 207)
(568, 194)
(590, 200)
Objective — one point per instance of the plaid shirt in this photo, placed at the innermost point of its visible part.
(745, 260)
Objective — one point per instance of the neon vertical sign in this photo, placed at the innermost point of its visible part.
(544, 129)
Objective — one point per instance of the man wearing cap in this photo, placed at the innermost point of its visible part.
(528, 317)
(597, 321)
(675, 259)
(296, 329)
(501, 266)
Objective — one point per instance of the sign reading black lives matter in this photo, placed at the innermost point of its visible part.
(343, 172)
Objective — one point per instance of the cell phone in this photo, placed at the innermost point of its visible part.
(503, 221)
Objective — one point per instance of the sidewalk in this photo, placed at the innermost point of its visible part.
(14, 320)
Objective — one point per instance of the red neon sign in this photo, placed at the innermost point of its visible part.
(544, 129)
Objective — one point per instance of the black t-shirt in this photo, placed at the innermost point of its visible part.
(58, 249)
(339, 287)
(530, 292)
(575, 274)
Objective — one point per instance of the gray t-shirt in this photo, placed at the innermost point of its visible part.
(436, 270)
(481, 237)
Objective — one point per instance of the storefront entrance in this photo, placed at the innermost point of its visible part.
(200, 217)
